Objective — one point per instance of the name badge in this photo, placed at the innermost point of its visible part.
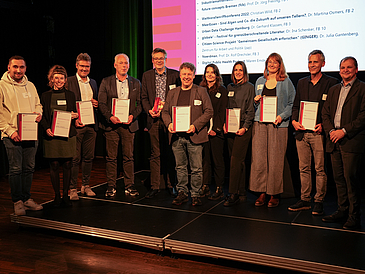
(324, 97)
(260, 87)
(27, 95)
(218, 95)
(172, 87)
(197, 102)
(61, 102)
(231, 94)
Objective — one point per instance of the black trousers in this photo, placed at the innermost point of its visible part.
(238, 146)
(346, 172)
(213, 158)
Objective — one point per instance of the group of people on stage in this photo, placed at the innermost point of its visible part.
(340, 120)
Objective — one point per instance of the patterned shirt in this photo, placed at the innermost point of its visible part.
(160, 81)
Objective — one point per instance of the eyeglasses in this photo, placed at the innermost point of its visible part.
(159, 59)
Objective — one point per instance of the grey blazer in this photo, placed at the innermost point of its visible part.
(201, 112)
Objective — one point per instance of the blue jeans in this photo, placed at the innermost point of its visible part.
(21, 157)
(183, 150)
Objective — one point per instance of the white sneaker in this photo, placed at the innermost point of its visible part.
(73, 195)
(87, 190)
(19, 208)
(31, 205)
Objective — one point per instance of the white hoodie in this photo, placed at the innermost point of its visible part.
(16, 98)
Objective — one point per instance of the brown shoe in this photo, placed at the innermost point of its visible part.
(274, 202)
(261, 200)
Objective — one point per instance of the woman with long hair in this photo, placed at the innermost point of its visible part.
(59, 150)
(213, 149)
(240, 95)
(269, 139)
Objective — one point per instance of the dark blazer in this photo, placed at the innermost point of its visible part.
(303, 95)
(148, 94)
(352, 117)
(199, 116)
(73, 86)
(108, 91)
(47, 113)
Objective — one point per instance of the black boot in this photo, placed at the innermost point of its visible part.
(218, 194)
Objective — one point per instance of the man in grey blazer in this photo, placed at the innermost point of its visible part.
(120, 86)
(343, 117)
(85, 89)
(156, 84)
(188, 144)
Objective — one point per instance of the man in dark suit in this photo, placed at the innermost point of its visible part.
(85, 89)
(120, 86)
(189, 143)
(313, 88)
(343, 117)
(156, 84)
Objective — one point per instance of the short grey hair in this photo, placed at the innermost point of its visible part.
(119, 54)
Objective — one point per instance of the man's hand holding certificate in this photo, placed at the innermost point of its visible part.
(27, 126)
(120, 109)
(181, 120)
(86, 112)
(308, 114)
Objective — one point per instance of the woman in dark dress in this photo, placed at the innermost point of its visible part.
(59, 150)
(240, 95)
(213, 149)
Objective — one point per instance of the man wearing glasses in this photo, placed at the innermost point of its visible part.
(156, 83)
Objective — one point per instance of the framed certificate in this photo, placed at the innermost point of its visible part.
(233, 119)
(181, 118)
(268, 109)
(86, 112)
(61, 123)
(308, 114)
(120, 109)
(27, 126)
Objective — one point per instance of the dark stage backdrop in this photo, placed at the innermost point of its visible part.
(50, 32)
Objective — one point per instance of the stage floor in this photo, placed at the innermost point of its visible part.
(259, 235)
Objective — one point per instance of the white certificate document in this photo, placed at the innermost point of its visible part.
(27, 126)
(181, 118)
(268, 109)
(120, 109)
(61, 123)
(308, 114)
(233, 119)
(86, 112)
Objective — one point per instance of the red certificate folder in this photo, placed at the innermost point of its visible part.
(233, 119)
(308, 114)
(268, 109)
(27, 126)
(181, 118)
(61, 123)
(86, 112)
(120, 109)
